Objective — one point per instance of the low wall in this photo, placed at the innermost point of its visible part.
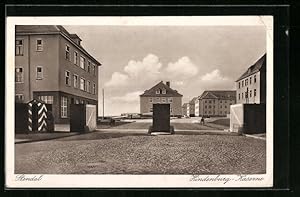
(91, 119)
(248, 118)
(236, 117)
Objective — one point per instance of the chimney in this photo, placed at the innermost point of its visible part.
(168, 83)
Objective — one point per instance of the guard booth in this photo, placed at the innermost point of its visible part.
(39, 116)
(83, 117)
(161, 119)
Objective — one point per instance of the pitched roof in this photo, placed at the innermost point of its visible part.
(257, 66)
(52, 29)
(169, 91)
(193, 100)
(218, 94)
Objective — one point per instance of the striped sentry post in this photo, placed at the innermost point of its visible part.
(42, 117)
(29, 116)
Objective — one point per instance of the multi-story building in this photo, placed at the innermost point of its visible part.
(249, 114)
(251, 86)
(51, 65)
(215, 103)
(191, 107)
(161, 93)
(184, 109)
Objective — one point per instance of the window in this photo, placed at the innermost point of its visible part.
(209, 101)
(246, 82)
(250, 79)
(19, 47)
(204, 112)
(254, 92)
(94, 88)
(163, 100)
(250, 93)
(157, 99)
(164, 91)
(150, 100)
(19, 75)
(171, 110)
(254, 78)
(67, 52)
(75, 81)
(242, 83)
(220, 106)
(75, 58)
(242, 95)
(39, 72)
(39, 45)
(64, 107)
(88, 86)
(157, 91)
(220, 101)
(82, 62)
(239, 96)
(205, 102)
(205, 106)
(67, 78)
(239, 85)
(47, 99)
(82, 84)
(89, 66)
(151, 109)
(170, 100)
(225, 106)
(94, 69)
(19, 98)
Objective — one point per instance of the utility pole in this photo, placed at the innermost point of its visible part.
(103, 103)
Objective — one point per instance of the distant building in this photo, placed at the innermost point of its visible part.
(251, 85)
(184, 109)
(191, 107)
(51, 65)
(161, 93)
(215, 103)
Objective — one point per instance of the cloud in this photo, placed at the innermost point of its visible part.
(215, 76)
(129, 97)
(213, 80)
(182, 68)
(150, 65)
(144, 72)
(117, 79)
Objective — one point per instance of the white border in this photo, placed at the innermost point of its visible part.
(132, 181)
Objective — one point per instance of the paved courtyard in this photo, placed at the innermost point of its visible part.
(105, 152)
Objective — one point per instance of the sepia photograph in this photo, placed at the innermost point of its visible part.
(139, 101)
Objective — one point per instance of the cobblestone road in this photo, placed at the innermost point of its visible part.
(142, 154)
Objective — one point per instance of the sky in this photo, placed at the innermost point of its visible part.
(192, 58)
